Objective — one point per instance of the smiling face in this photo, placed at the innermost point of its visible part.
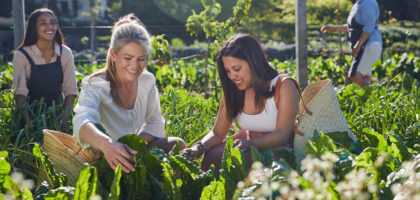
(46, 27)
(129, 61)
(238, 71)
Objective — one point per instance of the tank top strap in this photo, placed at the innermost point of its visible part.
(280, 79)
(59, 56)
(27, 56)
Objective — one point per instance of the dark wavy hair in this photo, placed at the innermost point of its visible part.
(31, 36)
(245, 47)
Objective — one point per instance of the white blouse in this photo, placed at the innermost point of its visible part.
(96, 105)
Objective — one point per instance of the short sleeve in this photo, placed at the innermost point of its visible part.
(87, 108)
(368, 16)
(19, 63)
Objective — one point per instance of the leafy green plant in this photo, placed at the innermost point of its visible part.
(12, 186)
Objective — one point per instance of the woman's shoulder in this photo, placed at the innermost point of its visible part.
(19, 56)
(280, 78)
(96, 82)
(65, 48)
(285, 81)
(19, 52)
(147, 77)
(368, 4)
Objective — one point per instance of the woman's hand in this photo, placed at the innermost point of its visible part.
(118, 153)
(64, 126)
(193, 152)
(242, 144)
(326, 29)
(355, 51)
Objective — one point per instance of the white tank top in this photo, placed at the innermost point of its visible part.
(266, 120)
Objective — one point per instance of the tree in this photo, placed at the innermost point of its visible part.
(216, 31)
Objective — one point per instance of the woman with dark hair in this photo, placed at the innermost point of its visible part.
(263, 102)
(43, 67)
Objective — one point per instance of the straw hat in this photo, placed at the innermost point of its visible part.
(65, 154)
(321, 100)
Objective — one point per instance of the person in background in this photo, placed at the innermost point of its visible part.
(262, 101)
(43, 66)
(123, 98)
(365, 39)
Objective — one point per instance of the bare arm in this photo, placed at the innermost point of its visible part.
(115, 153)
(331, 28)
(288, 108)
(363, 38)
(68, 107)
(146, 136)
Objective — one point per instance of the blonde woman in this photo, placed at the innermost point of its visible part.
(123, 98)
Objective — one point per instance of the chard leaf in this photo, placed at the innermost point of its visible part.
(82, 185)
(366, 159)
(134, 142)
(375, 139)
(26, 194)
(233, 168)
(342, 139)
(55, 180)
(398, 148)
(169, 184)
(288, 156)
(319, 144)
(62, 193)
(4, 165)
(93, 186)
(115, 188)
(280, 169)
(214, 191)
(185, 166)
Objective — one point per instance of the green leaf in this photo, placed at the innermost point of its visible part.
(398, 148)
(214, 191)
(82, 185)
(233, 167)
(4, 165)
(375, 139)
(115, 188)
(288, 156)
(341, 139)
(169, 184)
(55, 180)
(319, 144)
(62, 193)
(93, 186)
(366, 159)
(26, 194)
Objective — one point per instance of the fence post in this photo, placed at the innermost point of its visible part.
(18, 21)
(301, 34)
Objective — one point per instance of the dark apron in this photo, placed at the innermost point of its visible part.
(45, 81)
(355, 31)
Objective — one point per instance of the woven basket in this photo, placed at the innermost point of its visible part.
(321, 100)
(65, 154)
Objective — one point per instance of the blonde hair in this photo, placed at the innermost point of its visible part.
(126, 30)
